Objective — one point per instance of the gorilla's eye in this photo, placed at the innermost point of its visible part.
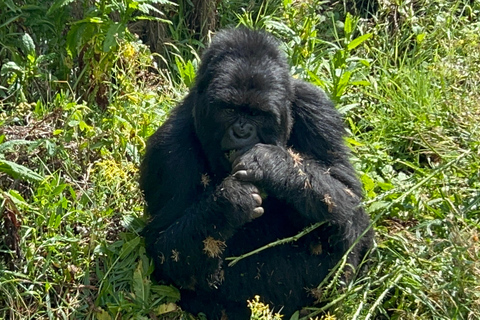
(229, 110)
(254, 113)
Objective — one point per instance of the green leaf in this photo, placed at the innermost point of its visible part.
(357, 41)
(385, 186)
(365, 62)
(150, 18)
(354, 142)
(84, 126)
(189, 72)
(114, 32)
(317, 81)
(339, 59)
(73, 123)
(51, 147)
(420, 37)
(167, 291)
(378, 205)
(72, 192)
(10, 21)
(17, 197)
(58, 189)
(348, 25)
(27, 44)
(129, 247)
(166, 308)
(8, 145)
(146, 8)
(360, 83)
(295, 316)
(11, 66)
(11, 6)
(51, 220)
(141, 286)
(97, 20)
(186, 70)
(18, 171)
(344, 109)
(75, 37)
(101, 314)
(342, 83)
(58, 4)
(368, 185)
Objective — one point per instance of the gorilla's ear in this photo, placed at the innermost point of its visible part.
(318, 128)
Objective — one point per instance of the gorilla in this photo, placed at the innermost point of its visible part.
(252, 155)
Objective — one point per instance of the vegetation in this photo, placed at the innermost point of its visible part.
(80, 94)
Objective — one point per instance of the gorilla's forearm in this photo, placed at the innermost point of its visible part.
(318, 192)
(193, 244)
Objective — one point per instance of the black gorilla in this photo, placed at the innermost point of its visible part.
(250, 156)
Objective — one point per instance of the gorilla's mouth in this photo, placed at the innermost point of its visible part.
(231, 155)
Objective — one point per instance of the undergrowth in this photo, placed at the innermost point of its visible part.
(80, 94)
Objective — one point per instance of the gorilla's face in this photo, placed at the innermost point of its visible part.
(240, 107)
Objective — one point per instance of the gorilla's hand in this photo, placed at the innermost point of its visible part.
(240, 198)
(263, 165)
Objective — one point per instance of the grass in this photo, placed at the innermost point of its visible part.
(71, 211)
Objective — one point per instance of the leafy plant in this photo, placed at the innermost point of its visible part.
(95, 38)
(29, 49)
(342, 66)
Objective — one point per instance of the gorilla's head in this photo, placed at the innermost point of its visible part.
(243, 95)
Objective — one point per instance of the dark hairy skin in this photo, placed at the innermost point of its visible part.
(250, 156)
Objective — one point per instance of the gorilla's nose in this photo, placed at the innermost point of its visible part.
(244, 131)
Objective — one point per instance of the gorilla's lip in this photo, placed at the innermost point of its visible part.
(231, 154)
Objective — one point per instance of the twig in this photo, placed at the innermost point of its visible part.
(276, 243)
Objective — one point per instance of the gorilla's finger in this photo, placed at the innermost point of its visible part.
(241, 175)
(238, 165)
(257, 212)
(246, 175)
(257, 198)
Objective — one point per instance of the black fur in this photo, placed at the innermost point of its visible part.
(250, 139)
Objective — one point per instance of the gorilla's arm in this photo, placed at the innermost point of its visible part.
(190, 249)
(190, 220)
(315, 175)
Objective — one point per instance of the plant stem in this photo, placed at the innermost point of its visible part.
(305, 231)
